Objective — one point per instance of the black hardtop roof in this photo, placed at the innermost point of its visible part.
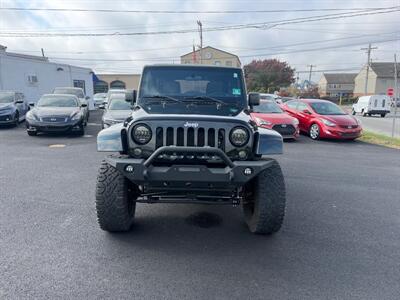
(179, 66)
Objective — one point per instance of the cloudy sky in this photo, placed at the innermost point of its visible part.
(330, 44)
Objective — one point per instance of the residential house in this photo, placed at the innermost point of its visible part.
(336, 85)
(211, 56)
(380, 78)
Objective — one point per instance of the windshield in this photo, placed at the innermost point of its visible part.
(76, 92)
(267, 107)
(99, 96)
(119, 104)
(6, 97)
(192, 90)
(57, 101)
(326, 108)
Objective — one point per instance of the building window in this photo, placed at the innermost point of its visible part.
(217, 63)
(117, 84)
(100, 87)
(228, 63)
(32, 79)
(80, 84)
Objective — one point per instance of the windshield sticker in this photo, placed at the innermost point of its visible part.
(236, 92)
(235, 75)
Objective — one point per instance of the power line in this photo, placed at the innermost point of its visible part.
(264, 25)
(187, 11)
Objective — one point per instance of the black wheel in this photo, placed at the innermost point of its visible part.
(265, 200)
(314, 131)
(16, 119)
(115, 197)
(364, 114)
(353, 112)
(383, 115)
(31, 133)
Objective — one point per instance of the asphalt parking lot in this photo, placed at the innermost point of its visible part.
(340, 238)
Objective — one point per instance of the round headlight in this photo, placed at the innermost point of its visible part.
(141, 134)
(239, 136)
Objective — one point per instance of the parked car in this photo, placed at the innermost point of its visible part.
(56, 113)
(78, 92)
(117, 110)
(269, 115)
(372, 105)
(323, 119)
(13, 107)
(114, 91)
(99, 99)
(190, 140)
(274, 97)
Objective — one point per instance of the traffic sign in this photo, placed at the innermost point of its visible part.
(390, 92)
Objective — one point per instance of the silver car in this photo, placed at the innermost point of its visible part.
(117, 110)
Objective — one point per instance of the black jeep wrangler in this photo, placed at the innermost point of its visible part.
(190, 139)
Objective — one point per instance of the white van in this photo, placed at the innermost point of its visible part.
(372, 105)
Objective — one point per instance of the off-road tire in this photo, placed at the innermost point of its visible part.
(265, 200)
(383, 115)
(353, 112)
(115, 197)
(364, 114)
(32, 133)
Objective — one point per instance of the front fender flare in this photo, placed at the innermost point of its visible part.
(109, 139)
(268, 142)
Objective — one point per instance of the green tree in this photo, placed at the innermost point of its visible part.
(268, 75)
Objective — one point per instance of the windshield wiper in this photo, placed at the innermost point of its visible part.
(207, 98)
(163, 98)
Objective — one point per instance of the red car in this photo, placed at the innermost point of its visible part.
(269, 115)
(323, 119)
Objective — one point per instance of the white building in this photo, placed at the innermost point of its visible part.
(36, 75)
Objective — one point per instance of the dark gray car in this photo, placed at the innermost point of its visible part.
(117, 110)
(13, 107)
(56, 113)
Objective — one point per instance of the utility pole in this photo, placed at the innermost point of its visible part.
(42, 52)
(395, 96)
(368, 65)
(200, 26)
(309, 76)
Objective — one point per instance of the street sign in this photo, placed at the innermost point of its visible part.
(390, 92)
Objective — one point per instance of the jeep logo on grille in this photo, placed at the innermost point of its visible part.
(191, 124)
(349, 126)
(283, 125)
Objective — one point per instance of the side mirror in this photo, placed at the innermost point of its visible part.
(102, 106)
(31, 104)
(83, 105)
(254, 99)
(19, 101)
(306, 111)
(87, 97)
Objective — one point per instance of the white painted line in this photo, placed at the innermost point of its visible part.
(57, 146)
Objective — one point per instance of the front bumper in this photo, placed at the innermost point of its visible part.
(8, 118)
(335, 133)
(69, 126)
(232, 174)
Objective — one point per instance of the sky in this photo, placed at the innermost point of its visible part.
(331, 45)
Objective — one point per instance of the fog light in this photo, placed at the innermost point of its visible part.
(248, 171)
(129, 169)
(242, 154)
(137, 151)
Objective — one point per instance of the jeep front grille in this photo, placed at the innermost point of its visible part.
(194, 137)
